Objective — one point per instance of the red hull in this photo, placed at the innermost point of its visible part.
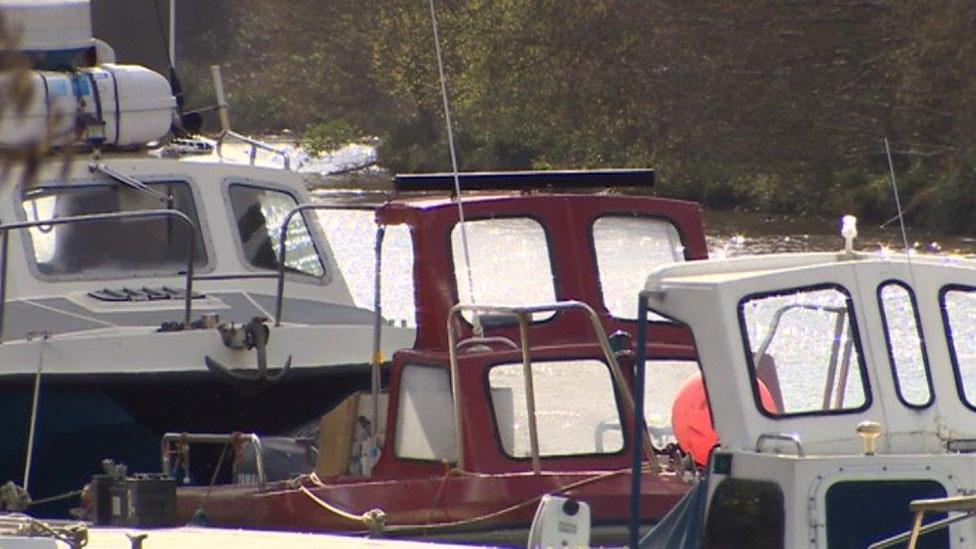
(435, 505)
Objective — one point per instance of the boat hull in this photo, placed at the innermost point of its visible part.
(486, 508)
(81, 421)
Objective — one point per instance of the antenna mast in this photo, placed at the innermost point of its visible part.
(172, 34)
(894, 187)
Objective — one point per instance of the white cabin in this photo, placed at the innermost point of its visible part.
(837, 340)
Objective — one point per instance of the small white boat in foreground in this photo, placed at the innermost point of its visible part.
(842, 387)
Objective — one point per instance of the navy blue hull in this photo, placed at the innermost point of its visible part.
(82, 422)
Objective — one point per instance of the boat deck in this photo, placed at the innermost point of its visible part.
(194, 537)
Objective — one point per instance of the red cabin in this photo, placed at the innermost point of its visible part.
(496, 405)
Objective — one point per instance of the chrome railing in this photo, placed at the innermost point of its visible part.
(177, 444)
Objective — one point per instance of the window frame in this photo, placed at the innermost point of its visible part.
(922, 347)
(202, 228)
(625, 432)
(455, 290)
(854, 333)
(313, 230)
(950, 341)
(626, 214)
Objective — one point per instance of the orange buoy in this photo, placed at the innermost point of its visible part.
(691, 419)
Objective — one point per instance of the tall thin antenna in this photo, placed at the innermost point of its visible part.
(454, 163)
(894, 187)
(172, 34)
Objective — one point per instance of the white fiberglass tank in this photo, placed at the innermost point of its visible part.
(111, 105)
(49, 25)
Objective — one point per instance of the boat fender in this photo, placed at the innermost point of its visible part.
(560, 522)
(691, 418)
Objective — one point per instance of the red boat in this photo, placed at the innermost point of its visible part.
(494, 406)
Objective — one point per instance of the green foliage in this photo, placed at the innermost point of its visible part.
(329, 136)
(745, 104)
(954, 201)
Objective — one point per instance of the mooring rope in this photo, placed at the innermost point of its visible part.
(375, 519)
(33, 420)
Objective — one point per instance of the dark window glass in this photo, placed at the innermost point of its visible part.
(745, 513)
(131, 246)
(259, 213)
(860, 513)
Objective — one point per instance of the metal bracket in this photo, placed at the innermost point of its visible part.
(253, 335)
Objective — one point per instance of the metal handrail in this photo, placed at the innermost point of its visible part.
(210, 438)
(142, 214)
(784, 437)
(472, 341)
(778, 315)
(282, 250)
(965, 505)
(255, 145)
(523, 314)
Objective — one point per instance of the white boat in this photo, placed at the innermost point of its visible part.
(842, 388)
(142, 294)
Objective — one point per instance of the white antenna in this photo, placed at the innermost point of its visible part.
(172, 34)
(894, 187)
(454, 164)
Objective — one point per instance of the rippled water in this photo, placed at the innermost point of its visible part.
(741, 233)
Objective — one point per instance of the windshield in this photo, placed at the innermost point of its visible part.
(132, 247)
(259, 213)
(803, 351)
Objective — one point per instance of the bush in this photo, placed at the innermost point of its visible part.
(329, 136)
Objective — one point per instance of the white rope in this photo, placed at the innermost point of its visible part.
(33, 419)
(454, 163)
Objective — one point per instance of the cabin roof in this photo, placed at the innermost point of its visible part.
(721, 272)
(567, 220)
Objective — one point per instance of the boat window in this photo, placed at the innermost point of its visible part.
(352, 236)
(425, 415)
(259, 213)
(663, 380)
(509, 264)
(803, 352)
(745, 513)
(575, 408)
(906, 346)
(959, 314)
(627, 250)
(131, 246)
(862, 512)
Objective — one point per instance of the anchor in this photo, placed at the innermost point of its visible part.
(252, 335)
